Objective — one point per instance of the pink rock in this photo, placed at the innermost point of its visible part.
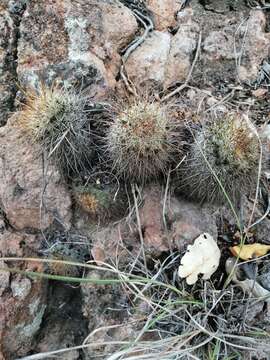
(164, 12)
(22, 301)
(152, 221)
(27, 204)
(7, 59)
(223, 44)
(257, 45)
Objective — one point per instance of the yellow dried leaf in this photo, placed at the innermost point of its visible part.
(247, 252)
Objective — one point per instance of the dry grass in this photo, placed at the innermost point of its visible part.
(174, 321)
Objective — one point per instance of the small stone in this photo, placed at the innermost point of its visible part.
(4, 278)
(147, 63)
(20, 287)
(152, 221)
(86, 49)
(183, 45)
(98, 254)
(164, 12)
(259, 93)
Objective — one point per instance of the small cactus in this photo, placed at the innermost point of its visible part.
(141, 140)
(228, 147)
(57, 119)
(99, 203)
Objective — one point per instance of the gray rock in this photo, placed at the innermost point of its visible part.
(183, 45)
(148, 62)
(73, 44)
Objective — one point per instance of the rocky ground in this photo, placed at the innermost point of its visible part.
(219, 52)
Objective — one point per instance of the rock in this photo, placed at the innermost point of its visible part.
(164, 59)
(66, 328)
(25, 200)
(147, 63)
(114, 242)
(185, 221)
(218, 46)
(151, 218)
(220, 6)
(22, 300)
(257, 45)
(7, 63)
(85, 50)
(223, 45)
(20, 287)
(4, 278)
(164, 12)
(188, 221)
(20, 319)
(106, 307)
(183, 45)
(18, 244)
(22, 305)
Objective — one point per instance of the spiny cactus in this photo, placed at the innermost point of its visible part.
(141, 140)
(100, 203)
(57, 119)
(228, 147)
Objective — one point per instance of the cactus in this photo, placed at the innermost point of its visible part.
(228, 147)
(141, 140)
(57, 119)
(100, 203)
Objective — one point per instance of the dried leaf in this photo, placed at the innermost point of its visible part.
(201, 258)
(250, 251)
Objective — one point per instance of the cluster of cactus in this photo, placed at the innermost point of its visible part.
(142, 141)
(57, 118)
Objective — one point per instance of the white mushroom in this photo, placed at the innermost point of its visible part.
(201, 258)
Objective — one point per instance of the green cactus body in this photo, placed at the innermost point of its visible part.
(56, 119)
(228, 148)
(140, 141)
